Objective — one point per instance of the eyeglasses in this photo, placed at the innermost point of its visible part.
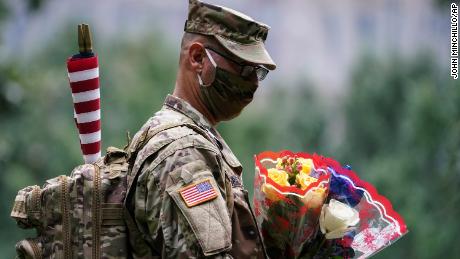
(246, 70)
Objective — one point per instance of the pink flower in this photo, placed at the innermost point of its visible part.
(299, 167)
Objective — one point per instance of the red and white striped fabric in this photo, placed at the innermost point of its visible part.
(84, 81)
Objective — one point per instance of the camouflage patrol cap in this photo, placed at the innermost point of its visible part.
(238, 33)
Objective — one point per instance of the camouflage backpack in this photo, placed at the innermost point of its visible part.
(81, 215)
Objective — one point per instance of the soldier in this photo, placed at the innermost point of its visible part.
(186, 197)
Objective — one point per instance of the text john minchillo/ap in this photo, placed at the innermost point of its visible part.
(454, 40)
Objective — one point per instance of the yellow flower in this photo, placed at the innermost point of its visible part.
(307, 165)
(279, 163)
(278, 176)
(270, 192)
(304, 180)
(320, 190)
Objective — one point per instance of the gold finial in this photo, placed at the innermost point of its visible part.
(85, 44)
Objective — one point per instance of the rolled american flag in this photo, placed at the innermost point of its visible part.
(83, 73)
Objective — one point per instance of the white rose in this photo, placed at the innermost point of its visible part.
(337, 219)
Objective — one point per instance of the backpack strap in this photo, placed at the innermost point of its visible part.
(139, 143)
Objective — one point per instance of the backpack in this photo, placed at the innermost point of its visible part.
(81, 215)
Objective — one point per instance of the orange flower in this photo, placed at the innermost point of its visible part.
(315, 198)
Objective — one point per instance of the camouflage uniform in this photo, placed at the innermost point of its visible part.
(223, 226)
(161, 223)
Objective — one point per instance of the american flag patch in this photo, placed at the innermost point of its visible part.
(198, 193)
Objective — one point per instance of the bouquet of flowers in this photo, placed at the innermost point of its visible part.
(309, 206)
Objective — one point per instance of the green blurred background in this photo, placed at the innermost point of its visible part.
(365, 82)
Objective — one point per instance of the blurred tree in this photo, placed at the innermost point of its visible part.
(38, 138)
(403, 135)
(35, 5)
(402, 131)
(445, 3)
(3, 10)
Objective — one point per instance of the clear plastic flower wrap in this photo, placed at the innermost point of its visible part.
(288, 204)
(379, 225)
(309, 206)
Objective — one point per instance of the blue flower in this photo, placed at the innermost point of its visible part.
(342, 190)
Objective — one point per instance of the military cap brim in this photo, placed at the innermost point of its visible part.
(254, 53)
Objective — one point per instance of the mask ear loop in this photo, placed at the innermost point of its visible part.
(210, 58)
(200, 81)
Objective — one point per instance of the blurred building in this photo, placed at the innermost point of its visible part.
(318, 41)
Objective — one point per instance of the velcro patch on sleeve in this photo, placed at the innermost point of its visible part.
(198, 193)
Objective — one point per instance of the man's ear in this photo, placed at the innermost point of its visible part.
(196, 54)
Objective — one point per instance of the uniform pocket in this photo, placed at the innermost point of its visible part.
(27, 207)
(202, 204)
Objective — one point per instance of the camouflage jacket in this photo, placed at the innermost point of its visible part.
(165, 224)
